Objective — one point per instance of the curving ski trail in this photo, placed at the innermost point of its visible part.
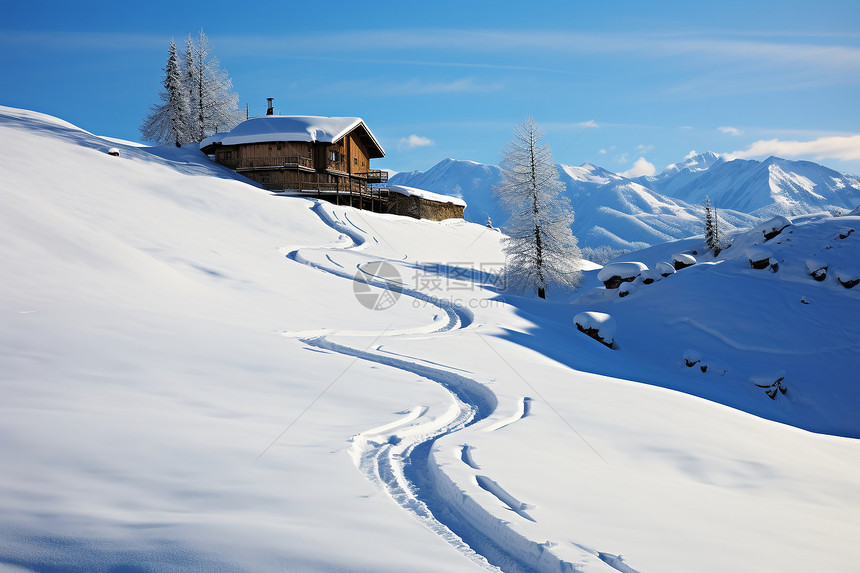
(399, 456)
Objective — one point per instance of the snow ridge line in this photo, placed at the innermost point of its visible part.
(406, 467)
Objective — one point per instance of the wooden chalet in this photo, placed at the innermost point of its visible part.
(324, 157)
(300, 153)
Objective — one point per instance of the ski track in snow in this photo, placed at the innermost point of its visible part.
(399, 456)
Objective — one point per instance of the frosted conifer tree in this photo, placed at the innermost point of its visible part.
(712, 228)
(214, 103)
(168, 123)
(190, 85)
(541, 251)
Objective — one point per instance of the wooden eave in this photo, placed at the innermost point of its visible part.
(374, 150)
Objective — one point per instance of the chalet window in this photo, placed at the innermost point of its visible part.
(332, 156)
(355, 160)
(264, 180)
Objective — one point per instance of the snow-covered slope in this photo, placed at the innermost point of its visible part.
(627, 213)
(613, 210)
(197, 375)
(773, 187)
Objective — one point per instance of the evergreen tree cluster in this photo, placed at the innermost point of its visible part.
(540, 248)
(712, 228)
(197, 99)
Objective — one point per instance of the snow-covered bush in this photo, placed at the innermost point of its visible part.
(683, 260)
(598, 325)
(113, 151)
(613, 274)
(665, 269)
(773, 227)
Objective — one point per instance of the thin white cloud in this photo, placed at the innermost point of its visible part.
(643, 149)
(730, 130)
(421, 87)
(602, 152)
(640, 167)
(413, 141)
(844, 148)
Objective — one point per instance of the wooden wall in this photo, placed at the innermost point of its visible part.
(418, 208)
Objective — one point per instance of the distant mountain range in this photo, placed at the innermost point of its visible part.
(624, 213)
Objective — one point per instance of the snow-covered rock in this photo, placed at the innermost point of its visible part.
(849, 278)
(665, 269)
(613, 274)
(650, 276)
(773, 227)
(626, 289)
(683, 260)
(759, 257)
(816, 268)
(598, 325)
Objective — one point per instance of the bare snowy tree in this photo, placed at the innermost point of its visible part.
(214, 103)
(168, 123)
(540, 248)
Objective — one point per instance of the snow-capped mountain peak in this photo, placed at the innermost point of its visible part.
(693, 162)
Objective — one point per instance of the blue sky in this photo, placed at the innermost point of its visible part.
(624, 85)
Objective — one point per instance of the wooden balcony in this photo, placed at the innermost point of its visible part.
(288, 162)
(374, 176)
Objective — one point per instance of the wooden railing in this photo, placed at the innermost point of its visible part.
(353, 188)
(289, 162)
(375, 176)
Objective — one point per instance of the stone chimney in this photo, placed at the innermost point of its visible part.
(271, 109)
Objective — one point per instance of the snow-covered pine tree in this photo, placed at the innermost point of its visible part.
(540, 248)
(189, 73)
(712, 228)
(167, 123)
(215, 104)
(717, 239)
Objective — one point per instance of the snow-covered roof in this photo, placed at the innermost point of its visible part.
(291, 128)
(428, 195)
